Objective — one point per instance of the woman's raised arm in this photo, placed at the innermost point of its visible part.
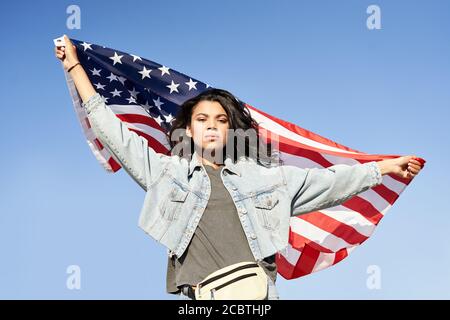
(141, 162)
(316, 189)
(69, 58)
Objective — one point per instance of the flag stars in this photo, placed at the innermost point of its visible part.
(145, 73)
(116, 93)
(159, 120)
(116, 58)
(100, 86)
(86, 46)
(191, 84)
(133, 93)
(164, 70)
(169, 118)
(158, 103)
(146, 106)
(105, 99)
(173, 86)
(135, 57)
(96, 72)
(112, 77)
(121, 79)
(131, 99)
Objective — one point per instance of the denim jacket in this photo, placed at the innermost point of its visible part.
(177, 190)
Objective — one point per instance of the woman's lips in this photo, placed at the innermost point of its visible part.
(211, 136)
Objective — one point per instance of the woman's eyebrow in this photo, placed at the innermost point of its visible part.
(206, 115)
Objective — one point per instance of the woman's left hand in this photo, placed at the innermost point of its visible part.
(405, 167)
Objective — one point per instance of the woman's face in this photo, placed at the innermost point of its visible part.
(209, 124)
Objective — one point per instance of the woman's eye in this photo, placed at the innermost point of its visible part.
(201, 119)
(223, 120)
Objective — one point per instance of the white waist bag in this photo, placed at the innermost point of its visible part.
(239, 281)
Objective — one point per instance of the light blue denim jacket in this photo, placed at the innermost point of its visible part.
(177, 190)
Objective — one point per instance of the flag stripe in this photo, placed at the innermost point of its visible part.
(326, 223)
(300, 132)
(317, 235)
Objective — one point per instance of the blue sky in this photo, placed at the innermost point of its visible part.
(315, 64)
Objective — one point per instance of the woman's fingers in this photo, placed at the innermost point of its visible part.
(415, 162)
(60, 55)
(59, 52)
(414, 171)
(415, 166)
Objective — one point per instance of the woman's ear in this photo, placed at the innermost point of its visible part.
(188, 131)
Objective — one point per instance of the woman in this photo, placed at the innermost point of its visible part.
(215, 202)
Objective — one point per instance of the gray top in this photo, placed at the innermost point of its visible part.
(218, 241)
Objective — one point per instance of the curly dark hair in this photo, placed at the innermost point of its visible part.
(239, 118)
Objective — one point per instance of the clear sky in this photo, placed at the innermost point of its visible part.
(313, 63)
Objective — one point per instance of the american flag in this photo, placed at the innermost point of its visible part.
(146, 96)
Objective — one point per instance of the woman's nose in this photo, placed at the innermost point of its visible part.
(211, 125)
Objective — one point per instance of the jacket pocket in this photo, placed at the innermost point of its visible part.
(265, 204)
(174, 202)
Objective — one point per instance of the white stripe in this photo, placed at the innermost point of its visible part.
(128, 109)
(386, 209)
(292, 255)
(276, 128)
(105, 153)
(351, 218)
(393, 184)
(323, 261)
(339, 160)
(313, 233)
(298, 161)
(153, 132)
(326, 260)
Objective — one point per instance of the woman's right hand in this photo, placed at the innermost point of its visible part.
(68, 54)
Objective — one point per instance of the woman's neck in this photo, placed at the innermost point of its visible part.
(209, 162)
(212, 164)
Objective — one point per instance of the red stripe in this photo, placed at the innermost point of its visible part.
(340, 255)
(152, 142)
(284, 268)
(306, 262)
(365, 208)
(386, 193)
(114, 165)
(138, 118)
(98, 143)
(305, 153)
(335, 227)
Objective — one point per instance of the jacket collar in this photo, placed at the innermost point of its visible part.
(229, 165)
